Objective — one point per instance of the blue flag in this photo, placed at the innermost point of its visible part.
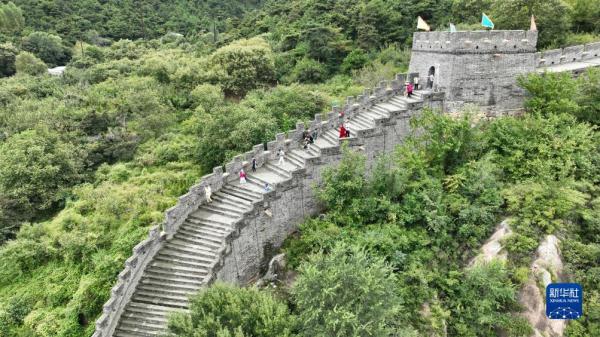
(486, 22)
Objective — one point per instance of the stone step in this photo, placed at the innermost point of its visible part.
(166, 267)
(128, 331)
(152, 296)
(256, 189)
(170, 284)
(280, 170)
(204, 230)
(373, 116)
(177, 303)
(173, 278)
(366, 120)
(196, 243)
(192, 262)
(208, 224)
(232, 200)
(166, 291)
(156, 309)
(212, 217)
(380, 111)
(297, 160)
(250, 197)
(331, 138)
(142, 317)
(232, 215)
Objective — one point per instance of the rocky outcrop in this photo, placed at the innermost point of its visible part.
(492, 248)
(545, 269)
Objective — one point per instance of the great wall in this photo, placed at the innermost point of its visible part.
(232, 238)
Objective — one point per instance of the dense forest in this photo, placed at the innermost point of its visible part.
(157, 93)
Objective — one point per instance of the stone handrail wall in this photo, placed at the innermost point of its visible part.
(568, 55)
(145, 251)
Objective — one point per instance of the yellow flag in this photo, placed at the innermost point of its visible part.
(533, 27)
(421, 24)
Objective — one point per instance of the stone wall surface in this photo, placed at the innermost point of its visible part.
(478, 67)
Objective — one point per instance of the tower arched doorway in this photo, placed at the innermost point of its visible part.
(430, 77)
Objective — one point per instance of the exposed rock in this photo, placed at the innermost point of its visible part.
(275, 272)
(532, 295)
(492, 249)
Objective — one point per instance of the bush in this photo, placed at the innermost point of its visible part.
(248, 65)
(346, 293)
(287, 104)
(355, 60)
(8, 55)
(224, 310)
(36, 169)
(47, 47)
(308, 71)
(27, 63)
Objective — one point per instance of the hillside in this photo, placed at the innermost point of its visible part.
(157, 93)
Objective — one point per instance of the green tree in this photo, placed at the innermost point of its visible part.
(248, 65)
(287, 104)
(8, 56)
(228, 311)
(344, 183)
(552, 18)
(484, 302)
(27, 63)
(346, 293)
(11, 18)
(588, 97)
(48, 47)
(308, 71)
(355, 60)
(36, 170)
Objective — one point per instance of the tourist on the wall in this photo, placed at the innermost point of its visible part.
(253, 164)
(430, 81)
(347, 133)
(416, 82)
(208, 193)
(409, 89)
(314, 135)
(280, 154)
(242, 176)
(342, 131)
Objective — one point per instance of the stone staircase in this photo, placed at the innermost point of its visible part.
(182, 265)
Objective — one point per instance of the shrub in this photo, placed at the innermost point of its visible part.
(8, 56)
(47, 47)
(36, 168)
(308, 71)
(355, 60)
(225, 310)
(27, 63)
(248, 64)
(346, 293)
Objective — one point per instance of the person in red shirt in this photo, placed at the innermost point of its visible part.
(342, 131)
(409, 89)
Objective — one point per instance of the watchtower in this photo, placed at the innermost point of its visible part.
(479, 67)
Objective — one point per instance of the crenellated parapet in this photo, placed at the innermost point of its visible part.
(568, 54)
(476, 42)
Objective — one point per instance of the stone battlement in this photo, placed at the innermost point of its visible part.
(478, 42)
(568, 55)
